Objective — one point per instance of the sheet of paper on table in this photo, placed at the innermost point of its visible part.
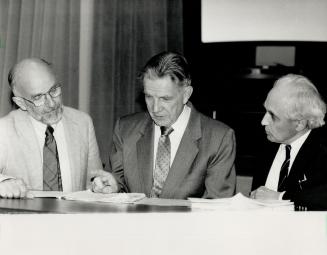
(89, 196)
(164, 202)
(240, 202)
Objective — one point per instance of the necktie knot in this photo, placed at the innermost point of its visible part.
(165, 131)
(49, 131)
(49, 134)
(288, 150)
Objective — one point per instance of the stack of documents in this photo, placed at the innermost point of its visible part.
(89, 196)
(240, 202)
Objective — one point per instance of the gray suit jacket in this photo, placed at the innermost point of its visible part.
(203, 165)
(20, 154)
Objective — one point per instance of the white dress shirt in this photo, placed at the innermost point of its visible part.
(59, 135)
(273, 176)
(175, 137)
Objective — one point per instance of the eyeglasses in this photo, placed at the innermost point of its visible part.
(39, 100)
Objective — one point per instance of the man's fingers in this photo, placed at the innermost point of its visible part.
(16, 192)
(107, 190)
(13, 188)
(8, 195)
(20, 189)
(105, 184)
(97, 185)
(253, 194)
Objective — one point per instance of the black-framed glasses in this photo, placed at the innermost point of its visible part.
(39, 99)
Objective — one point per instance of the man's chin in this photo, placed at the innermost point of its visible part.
(160, 121)
(51, 121)
(52, 117)
(271, 139)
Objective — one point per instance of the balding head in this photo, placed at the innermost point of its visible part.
(23, 75)
(36, 90)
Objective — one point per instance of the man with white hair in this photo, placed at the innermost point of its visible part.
(294, 116)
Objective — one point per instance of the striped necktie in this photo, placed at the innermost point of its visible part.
(162, 162)
(51, 166)
(284, 169)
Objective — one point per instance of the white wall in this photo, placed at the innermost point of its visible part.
(264, 20)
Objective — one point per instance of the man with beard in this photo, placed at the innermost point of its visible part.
(43, 144)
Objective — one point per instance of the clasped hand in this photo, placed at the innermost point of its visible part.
(14, 188)
(264, 193)
(105, 184)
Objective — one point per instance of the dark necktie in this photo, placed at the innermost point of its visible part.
(162, 162)
(284, 169)
(51, 167)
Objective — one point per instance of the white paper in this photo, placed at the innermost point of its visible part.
(240, 202)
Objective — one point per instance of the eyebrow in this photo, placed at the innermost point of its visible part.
(57, 84)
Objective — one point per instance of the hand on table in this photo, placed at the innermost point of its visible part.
(105, 184)
(264, 193)
(14, 188)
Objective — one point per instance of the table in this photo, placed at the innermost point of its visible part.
(53, 205)
(78, 228)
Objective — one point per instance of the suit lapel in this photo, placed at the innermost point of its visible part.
(303, 160)
(185, 155)
(144, 147)
(73, 143)
(30, 148)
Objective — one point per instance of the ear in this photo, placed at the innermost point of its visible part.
(301, 125)
(188, 90)
(20, 102)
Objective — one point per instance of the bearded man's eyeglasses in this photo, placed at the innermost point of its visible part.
(39, 99)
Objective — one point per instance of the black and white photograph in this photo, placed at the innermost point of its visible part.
(163, 127)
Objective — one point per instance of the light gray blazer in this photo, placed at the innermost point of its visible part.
(20, 155)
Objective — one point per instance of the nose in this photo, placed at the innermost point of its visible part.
(49, 100)
(265, 119)
(156, 105)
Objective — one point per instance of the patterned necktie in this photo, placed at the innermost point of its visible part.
(284, 169)
(162, 162)
(51, 167)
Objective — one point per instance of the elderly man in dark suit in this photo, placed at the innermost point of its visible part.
(172, 150)
(298, 169)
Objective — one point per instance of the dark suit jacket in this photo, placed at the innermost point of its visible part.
(203, 165)
(310, 164)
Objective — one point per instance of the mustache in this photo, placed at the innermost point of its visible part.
(59, 107)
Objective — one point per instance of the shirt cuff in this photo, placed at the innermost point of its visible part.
(5, 177)
(281, 195)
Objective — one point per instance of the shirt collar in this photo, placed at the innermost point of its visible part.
(296, 145)
(181, 123)
(39, 126)
(183, 118)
